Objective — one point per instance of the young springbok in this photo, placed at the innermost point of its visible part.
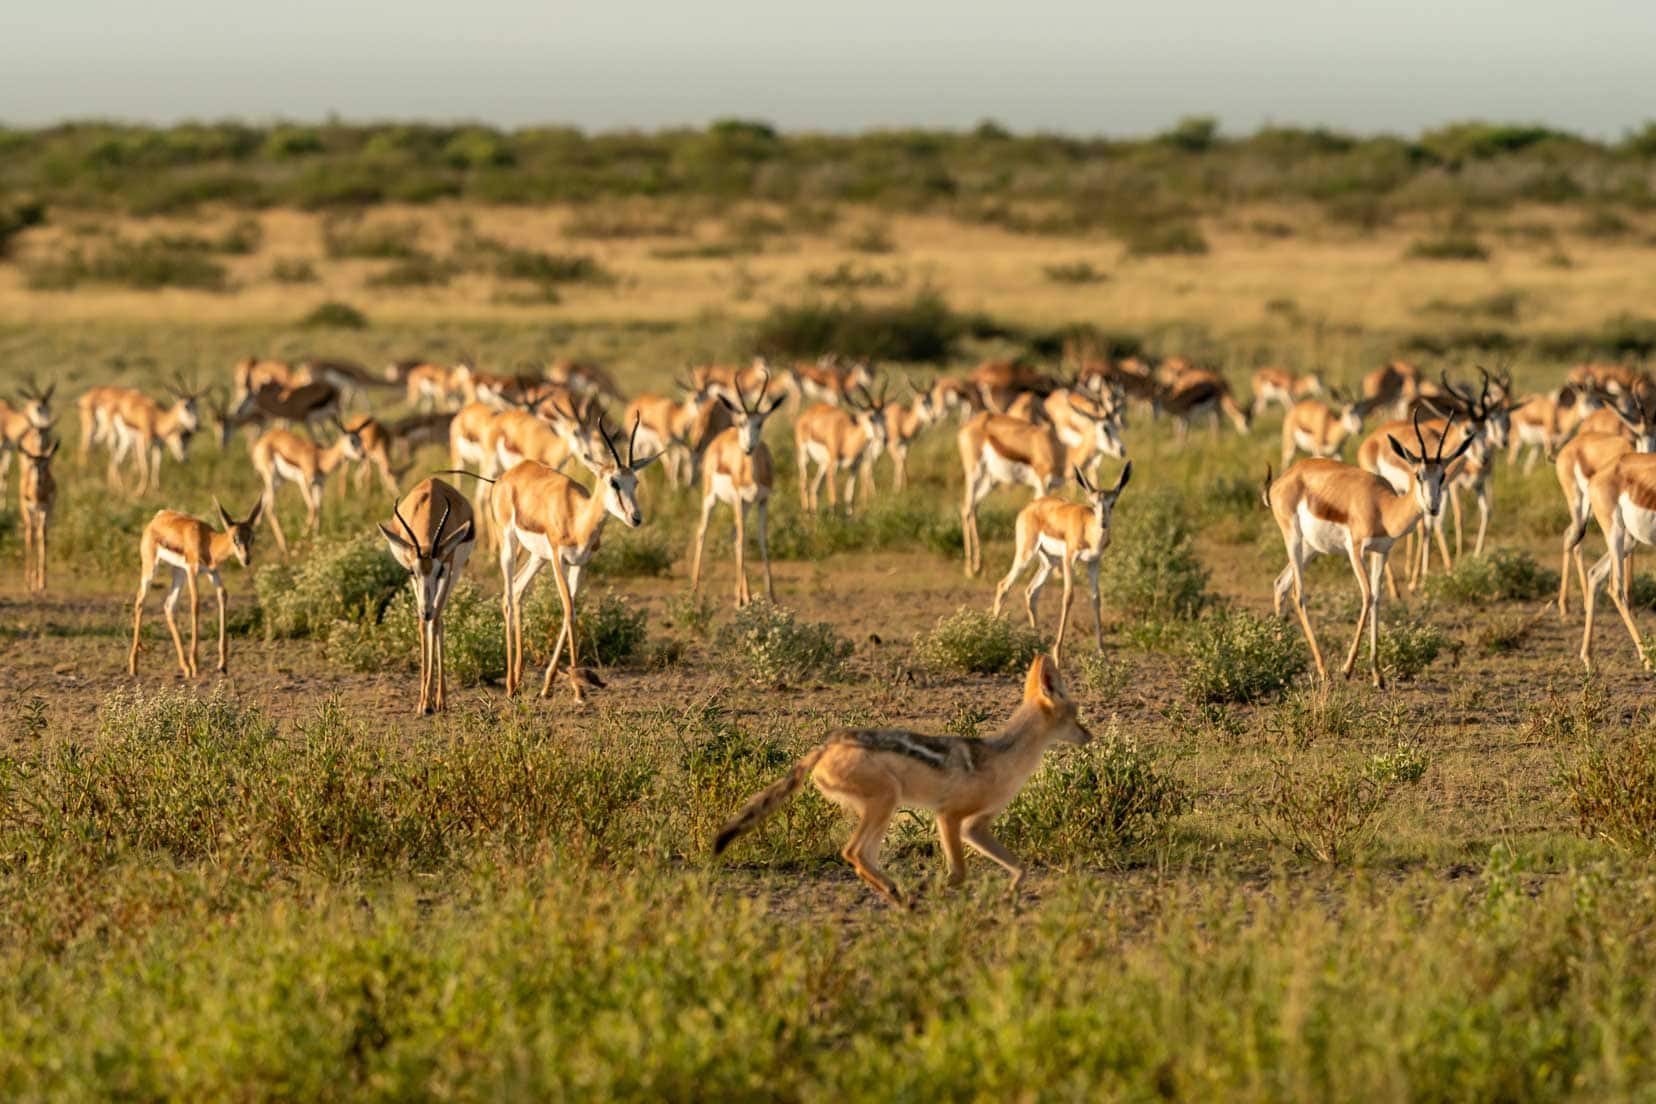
(36, 493)
(736, 468)
(283, 457)
(1321, 428)
(1063, 533)
(998, 449)
(872, 772)
(190, 547)
(1326, 507)
(555, 520)
(440, 536)
(836, 439)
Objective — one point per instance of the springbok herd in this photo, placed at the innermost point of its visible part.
(512, 437)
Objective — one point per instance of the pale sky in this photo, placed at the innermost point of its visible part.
(1102, 67)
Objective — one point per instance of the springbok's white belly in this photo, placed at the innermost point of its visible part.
(170, 558)
(288, 471)
(818, 452)
(1002, 470)
(724, 490)
(1640, 523)
(1322, 537)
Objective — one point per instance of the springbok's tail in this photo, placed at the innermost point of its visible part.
(767, 800)
(1265, 492)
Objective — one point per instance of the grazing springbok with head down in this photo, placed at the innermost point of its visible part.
(836, 439)
(1623, 496)
(736, 468)
(190, 547)
(1062, 533)
(1325, 507)
(997, 449)
(556, 521)
(872, 772)
(433, 540)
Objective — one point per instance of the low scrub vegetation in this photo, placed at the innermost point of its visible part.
(923, 329)
(774, 648)
(1501, 575)
(971, 641)
(147, 264)
(1152, 571)
(1234, 656)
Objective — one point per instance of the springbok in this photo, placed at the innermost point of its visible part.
(36, 494)
(1276, 385)
(830, 380)
(998, 449)
(440, 538)
(34, 413)
(736, 468)
(1542, 423)
(130, 422)
(190, 547)
(1395, 384)
(375, 439)
(1577, 463)
(1623, 497)
(1326, 507)
(555, 520)
(904, 422)
(837, 439)
(1062, 533)
(1321, 428)
(1200, 391)
(283, 457)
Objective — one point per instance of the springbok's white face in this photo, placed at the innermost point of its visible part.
(241, 532)
(1107, 439)
(39, 412)
(353, 449)
(1103, 501)
(189, 419)
(873, 423)
(749, 424)
(1350, 420)
(1430, 471)
(620, 487)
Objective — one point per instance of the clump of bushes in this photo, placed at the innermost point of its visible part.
(850, 276)
(474, 638)
(1611, 783)
(145, 265)
(293, 270)
(418, 270)
(1324, 810)
(611, 632)
(1453, 245)
(16, 218)
(1159, 238)
(1152, 571)
(924, 329)
(971, 641)
(1234, 656)
(373, 241)
(1092, 803)
(350, 580)
(335, 315)
(1075, 272)
(776, 649)
(1408, 646)
(1503, 575)
(641, 553)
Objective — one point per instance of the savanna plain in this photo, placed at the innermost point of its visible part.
(282, 883)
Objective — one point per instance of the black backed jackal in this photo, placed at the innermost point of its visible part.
(967, 782)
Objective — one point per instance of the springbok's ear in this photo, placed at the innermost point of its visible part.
(1466, 443)
(223, 514)
(640, 465)
(1042, 685)
(399, 547)
(454, 540)
(1126, 474)
(46, 396)
(258, 508)
(727, 404)
(1398, 448)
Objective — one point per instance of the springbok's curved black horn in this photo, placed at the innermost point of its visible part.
(1420, 438)
(396, 511)
(632, 441)
(442, 523)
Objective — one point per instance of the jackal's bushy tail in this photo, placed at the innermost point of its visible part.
(767, 800)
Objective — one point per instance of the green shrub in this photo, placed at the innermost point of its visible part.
(349, 580)
(724, 766)
(293, 270)
(1604, 225)
(1450, 246)
(850, 276)
(612, 632)
(241, 238)
(1408, 646)
(971, 641)
(418, 270)
(1090, 804)
(1503, 575)
(922, 330)
(1162, 238)
(1236, 657)
(1404, 763)
(775, 649)
(871, 238)
(16, 218)
(640, 553)
(1321, 809)
(694, 612)
(335, 315)
(1074, 272)
(1151, 571)
(548, 268)
(474, 637)
(144, 265)
(1611, 782)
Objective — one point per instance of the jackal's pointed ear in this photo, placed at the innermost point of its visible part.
(1042, 685)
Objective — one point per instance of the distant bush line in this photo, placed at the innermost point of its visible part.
(1061, 183)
